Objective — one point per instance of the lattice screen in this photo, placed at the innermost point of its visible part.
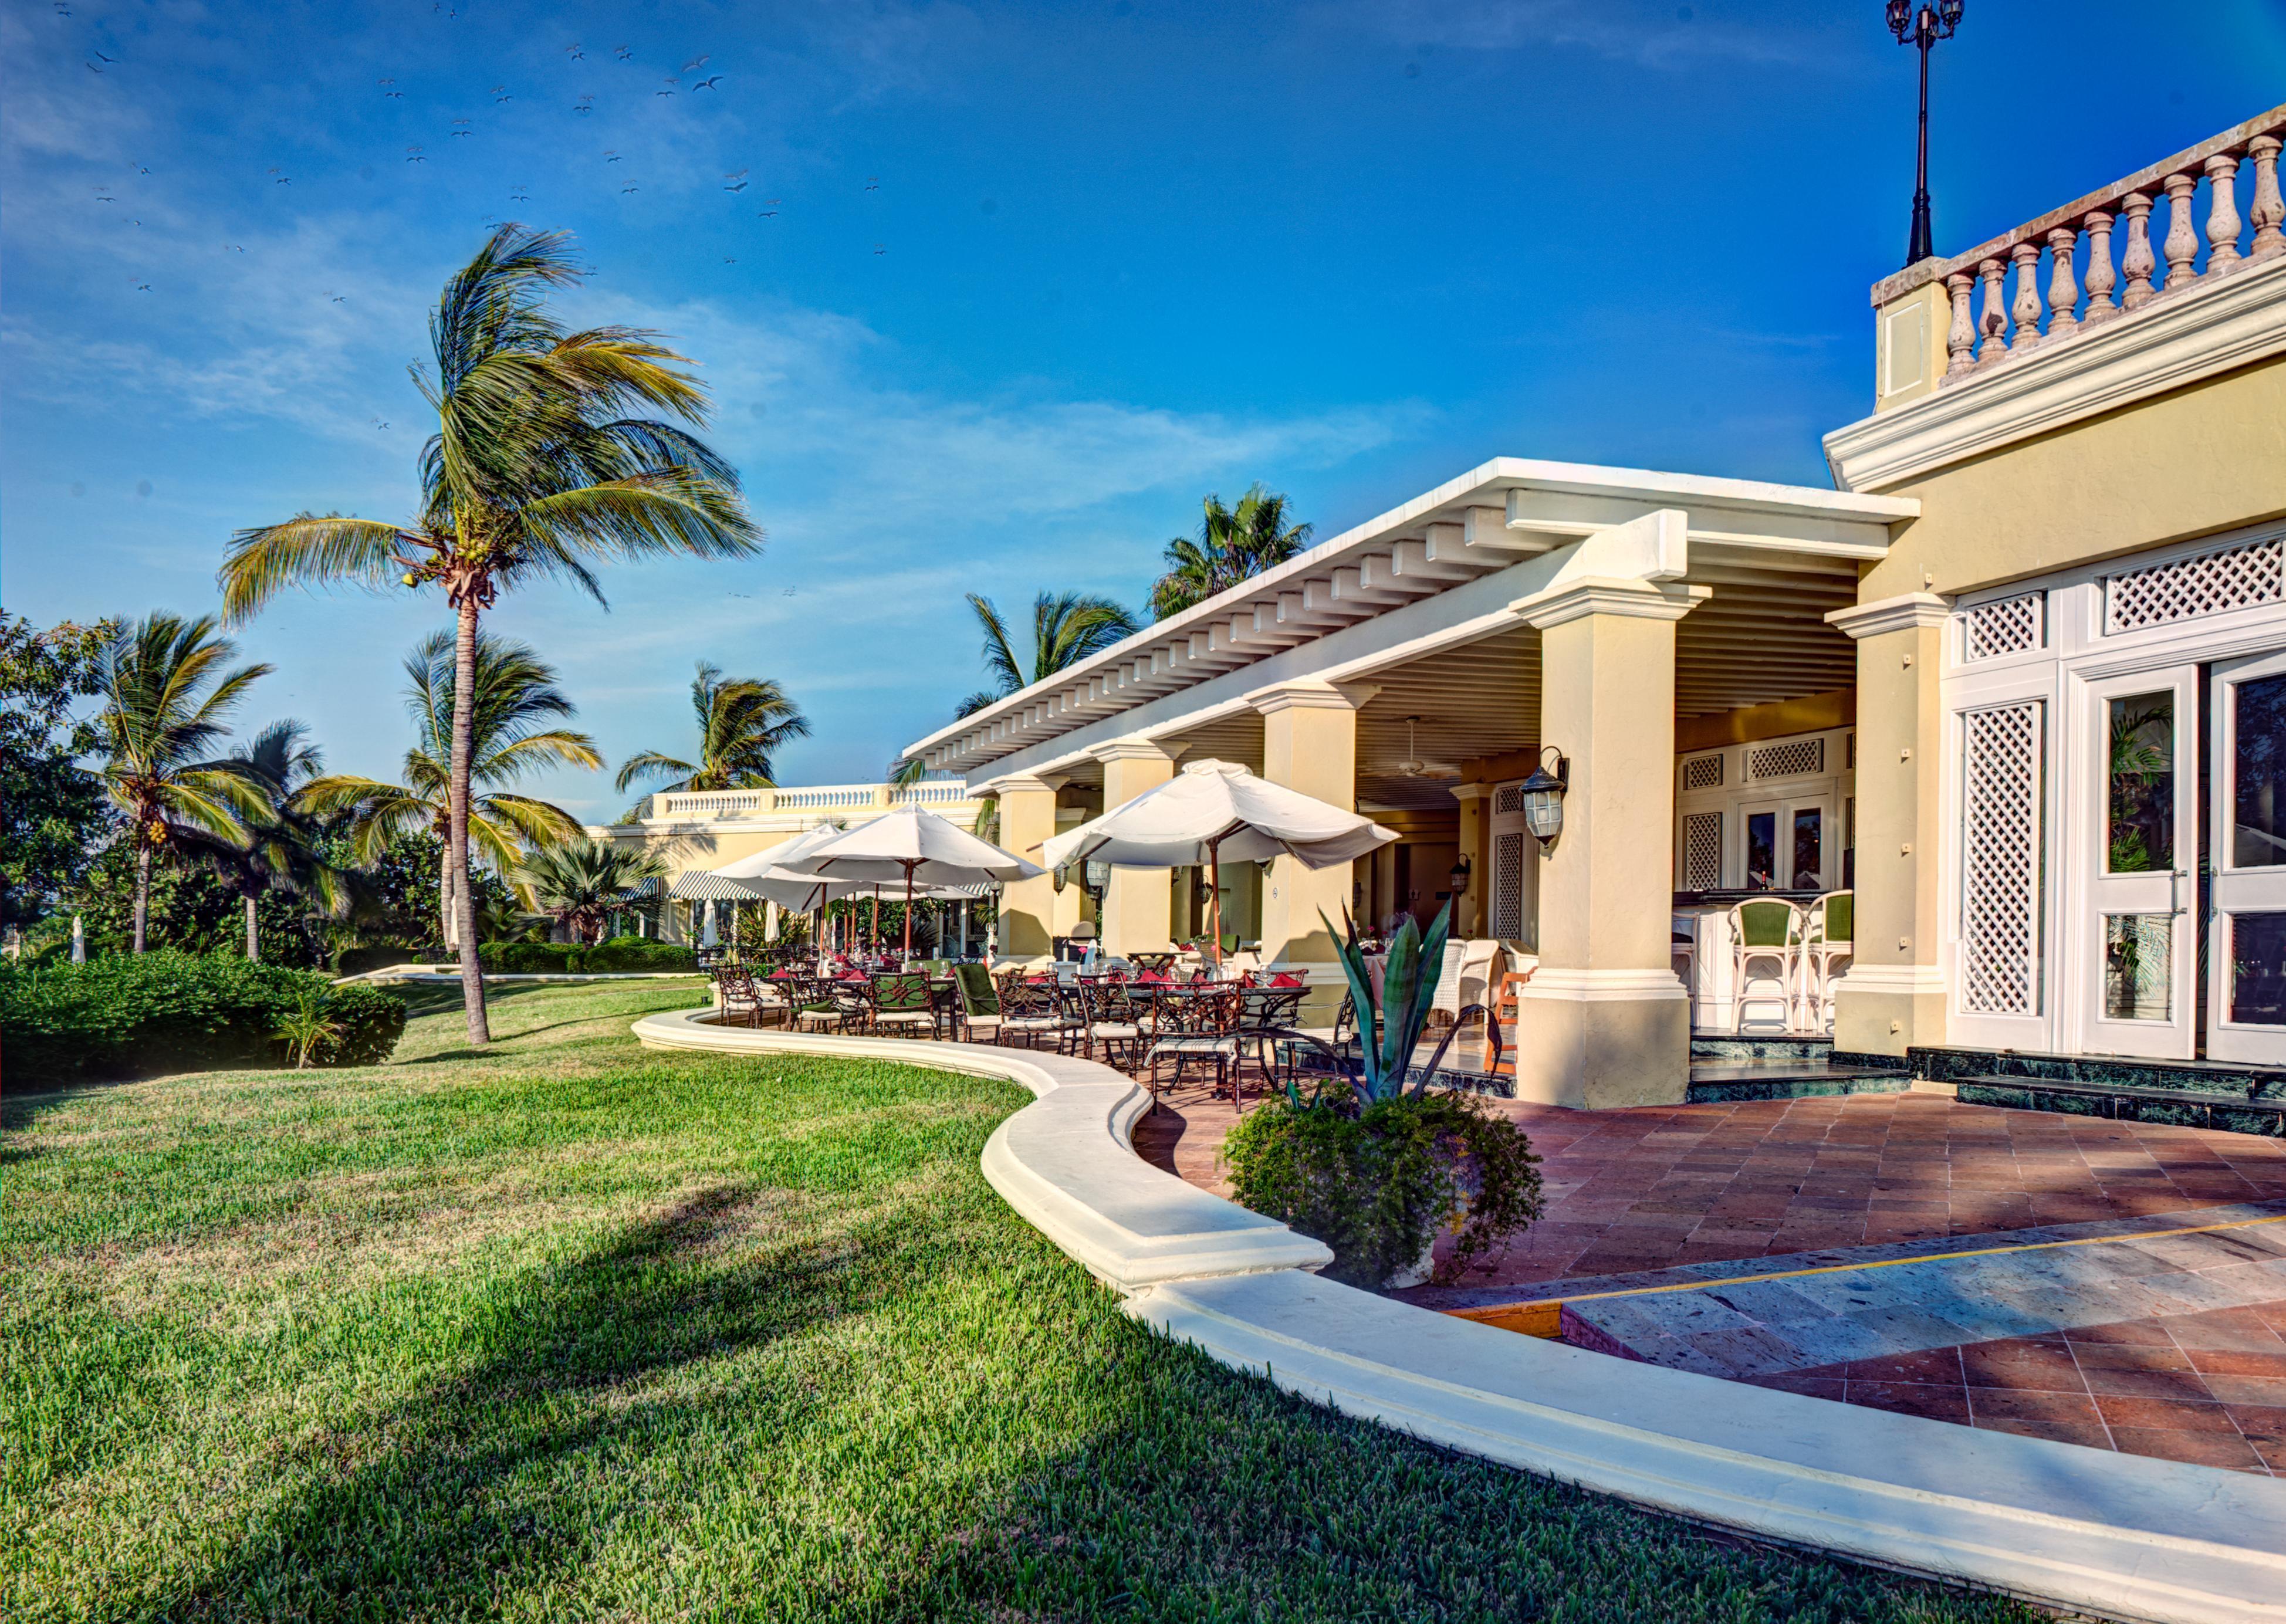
(1703, 772)
(2005, 626)
(1509, 798)
(2001, 861)
(2210, 584)
(1795, 758)
(1508, 886)
(1702, 851)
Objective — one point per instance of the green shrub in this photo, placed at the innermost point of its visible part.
(120, 1016)
(526, 957)
(623, 953)
(1378, 1184)
(357, 961)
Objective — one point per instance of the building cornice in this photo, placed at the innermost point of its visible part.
(1632, 600)
(1300, 697)
(2214, 327)
(1133, 750)
(1908, 611)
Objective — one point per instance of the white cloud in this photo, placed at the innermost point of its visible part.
(1657, 35)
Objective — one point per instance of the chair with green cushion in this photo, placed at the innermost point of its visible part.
(902, 1004)
(1828, 939)
(980, 1002)
(1768, 931)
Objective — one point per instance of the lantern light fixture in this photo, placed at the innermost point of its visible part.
(1459, 878)
(1543, 797)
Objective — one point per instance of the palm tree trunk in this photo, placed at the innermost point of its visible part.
(142, 889)
(449, 928)
(456, 842)
(253, 937)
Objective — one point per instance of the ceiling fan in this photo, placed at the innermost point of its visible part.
(1413, 767)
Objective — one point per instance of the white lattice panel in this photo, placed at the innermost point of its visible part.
(1792, 758)
(1509, 798)
(1703, 772)
(2005, 626)
(1508, 886)
(1702, 851)
(2001, 861)
(2210, 584)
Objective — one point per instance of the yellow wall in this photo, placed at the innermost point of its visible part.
(2206, 459)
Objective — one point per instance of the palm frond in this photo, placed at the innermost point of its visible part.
(260, 563)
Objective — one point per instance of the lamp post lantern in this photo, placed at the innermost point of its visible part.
(1922, 26)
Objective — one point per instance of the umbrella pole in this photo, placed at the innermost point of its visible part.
(1214, 904)
(908, 913)
(873, 935)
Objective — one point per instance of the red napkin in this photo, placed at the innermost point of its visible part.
(1284, 979)
(781, 975)
(1153, 977)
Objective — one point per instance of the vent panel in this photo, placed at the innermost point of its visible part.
(2210, 584)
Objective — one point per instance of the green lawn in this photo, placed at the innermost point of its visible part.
(575, 1330)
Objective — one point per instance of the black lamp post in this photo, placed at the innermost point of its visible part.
(1922, 27)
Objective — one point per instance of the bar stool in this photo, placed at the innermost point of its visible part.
(1765, 931)
(1826, 941)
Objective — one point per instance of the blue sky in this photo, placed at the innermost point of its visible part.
(1036, 279)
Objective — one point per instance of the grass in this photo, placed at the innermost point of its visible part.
(570, 1330)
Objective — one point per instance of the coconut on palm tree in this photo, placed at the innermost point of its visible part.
(167, 698)
(512, 723)
(1234, 544)
(742, 724)
(580, 884)
(280, 845)
(542, 466)
(1066, 627)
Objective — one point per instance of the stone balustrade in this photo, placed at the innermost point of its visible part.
(806, 798)
(2157, 234)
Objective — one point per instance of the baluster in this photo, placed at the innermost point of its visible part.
(2182, 244)
(2027, 308)
(2063, 292)
(2100, 305)
(2222, 216)
(1960, 339)
(2137, 260)
(1995, 320)
(2269, 208)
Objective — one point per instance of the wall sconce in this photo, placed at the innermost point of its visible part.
(1459, 878)
(1543, 798)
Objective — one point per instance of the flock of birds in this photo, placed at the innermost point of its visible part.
(736, 182)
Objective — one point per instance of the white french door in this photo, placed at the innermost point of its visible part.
(2135, 925)
(2246, 910)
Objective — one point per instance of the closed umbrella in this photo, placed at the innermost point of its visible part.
(918, 848)
(1216, 809)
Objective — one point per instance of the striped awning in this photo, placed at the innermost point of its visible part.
(698, 885)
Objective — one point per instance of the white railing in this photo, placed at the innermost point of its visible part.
(2073, 293)
(806, 798)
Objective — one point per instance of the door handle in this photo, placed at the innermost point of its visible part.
(2175, 893)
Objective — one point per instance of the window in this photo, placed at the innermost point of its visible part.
(1808, 849)
(1762, 851)
(2140, 835)
(2257, 969)
(2258, 812)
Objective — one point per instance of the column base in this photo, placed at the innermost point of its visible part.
(1597, 1040)
(1885, 1009)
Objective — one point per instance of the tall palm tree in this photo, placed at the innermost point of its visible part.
(1234, 544)
(516, 704)
(536, 469)
(279, 848)
(742, 721)
(1066, 627)
(578, 884)
(166, 702)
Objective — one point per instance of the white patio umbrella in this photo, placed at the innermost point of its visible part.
(708, 936)
(918, 848)
(1216, 809)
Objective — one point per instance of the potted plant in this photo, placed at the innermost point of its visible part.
(1379, 1169)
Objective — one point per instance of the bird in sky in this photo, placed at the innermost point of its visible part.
(285, 181)
(586, 104)
(737, 186)
(101, 199)
(337, 298)
(139, 170)
(574, 52)
(232, 247)
(671, 82)
(878, 248)
(101, 57)
(767, 214)
(694, 65)
(378, 424)
(709, 84)
(625, 189)
(142, 286)
(416, 157)
(519, 197)
(728, 260)
(461, 127)
(610, 156)
(623, 53)
(872, 183)
(92, 68)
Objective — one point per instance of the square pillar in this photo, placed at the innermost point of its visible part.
(1309, 744)
(1892, 994)
(1028, 818)
(1476, 803)
(1603, 1020)
(1137, 912)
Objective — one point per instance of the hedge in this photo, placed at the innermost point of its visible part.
(637, 953)
(620, 953)
(120, 1016)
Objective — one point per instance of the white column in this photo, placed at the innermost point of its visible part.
(1136, 902)
(1027, 819)
(1309, 743)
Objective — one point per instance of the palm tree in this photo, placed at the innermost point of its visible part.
(166, 697)
(535, 470)
(280, 846)
(742, 721)
(516, 701)
(1066, 627)
(1234, 544)
(578, 884)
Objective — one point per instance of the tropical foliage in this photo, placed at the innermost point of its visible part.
(1066, 627)
(580, 884)
(166, 701)
(513, 730)
(279, 845)
(52, 808)
(742, 722)
(544, 465)
(1233, 545)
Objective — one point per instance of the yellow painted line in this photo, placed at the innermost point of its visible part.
(1544, 1316)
